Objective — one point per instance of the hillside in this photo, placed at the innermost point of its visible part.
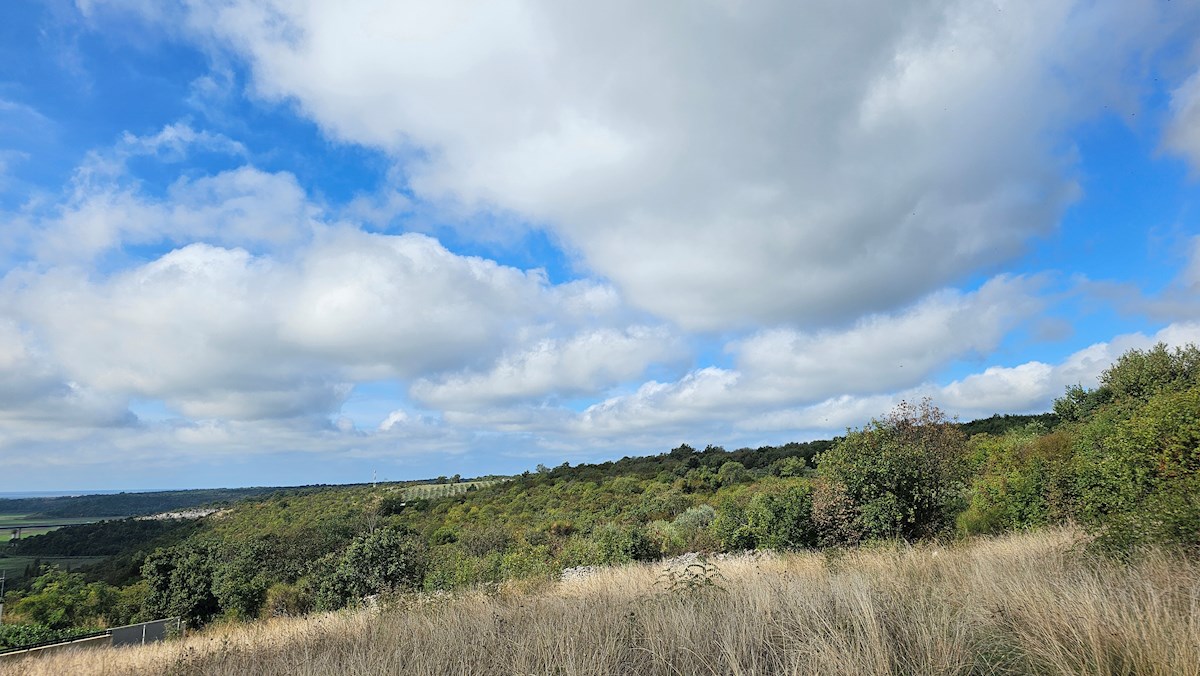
(127, 504)
(1017, 604)
(1120, 460)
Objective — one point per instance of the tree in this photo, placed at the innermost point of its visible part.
(732, 473)
(793, 466)
(61, 600)
(385, 560)
(1138, 473)
(899, 477)
(239, 582)
(180, 582)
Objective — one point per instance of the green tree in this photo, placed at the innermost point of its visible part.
(1138, 472)
(179, 582)
(732, 473)
(902, 476)
(385, 560)
(61, 600)
(240, 582)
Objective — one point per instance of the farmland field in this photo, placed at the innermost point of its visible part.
(430, 491)
(14, 566)
(8, 522)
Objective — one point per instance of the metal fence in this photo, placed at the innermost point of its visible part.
(146, 632)
(132, 634)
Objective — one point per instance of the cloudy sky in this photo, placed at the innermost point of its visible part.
(254, 242)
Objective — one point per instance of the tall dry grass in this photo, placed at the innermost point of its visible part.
(1022, 604)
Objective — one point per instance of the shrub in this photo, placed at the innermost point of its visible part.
(384, 560)
(1023, 482)
(902, 477)
(286, 600)
(782, 521)
(622, 544)
(730, 529)
(61, 600)
(1137, 471)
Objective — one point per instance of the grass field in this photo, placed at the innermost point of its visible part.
(6, 532)
(1020, 604)
(14, 566)
(10, 521)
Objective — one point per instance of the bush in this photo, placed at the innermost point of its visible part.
(782, 521)
(286, 600)
(1023, 481)
(732, 473)
(793, 466)
(580, 551)
(622, 544)
(900, 477)
(1137, 471)
(729, 528)
(61, 600)
(20, 635)
(180, 582)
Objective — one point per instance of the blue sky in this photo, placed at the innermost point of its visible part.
(270, 242)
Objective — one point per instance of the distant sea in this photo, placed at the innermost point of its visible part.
(16, 495)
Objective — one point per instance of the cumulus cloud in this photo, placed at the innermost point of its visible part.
(886, 351)
(879, 353)
(38, 400)
(219, 332)
(728, 163)
(725, 402)
(585, 363)
(1034, 385)
(105, 207)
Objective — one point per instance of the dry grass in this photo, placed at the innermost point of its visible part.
(1015, 605)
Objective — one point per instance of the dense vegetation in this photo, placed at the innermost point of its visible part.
(1122, 460)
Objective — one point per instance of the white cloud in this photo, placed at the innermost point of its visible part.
(37, 400)
(175, 141)
(582, 364)
(715, 403)
(781, 368)
(724, 164)
(225, 334)
(885, 352)
(1032, 386)
(239, 207)
(404, 305)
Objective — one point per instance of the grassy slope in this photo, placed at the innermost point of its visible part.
(1018, 604)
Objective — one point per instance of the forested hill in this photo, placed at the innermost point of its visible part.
(761, 458)
(132, 504)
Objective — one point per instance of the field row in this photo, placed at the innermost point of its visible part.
(430, 491)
